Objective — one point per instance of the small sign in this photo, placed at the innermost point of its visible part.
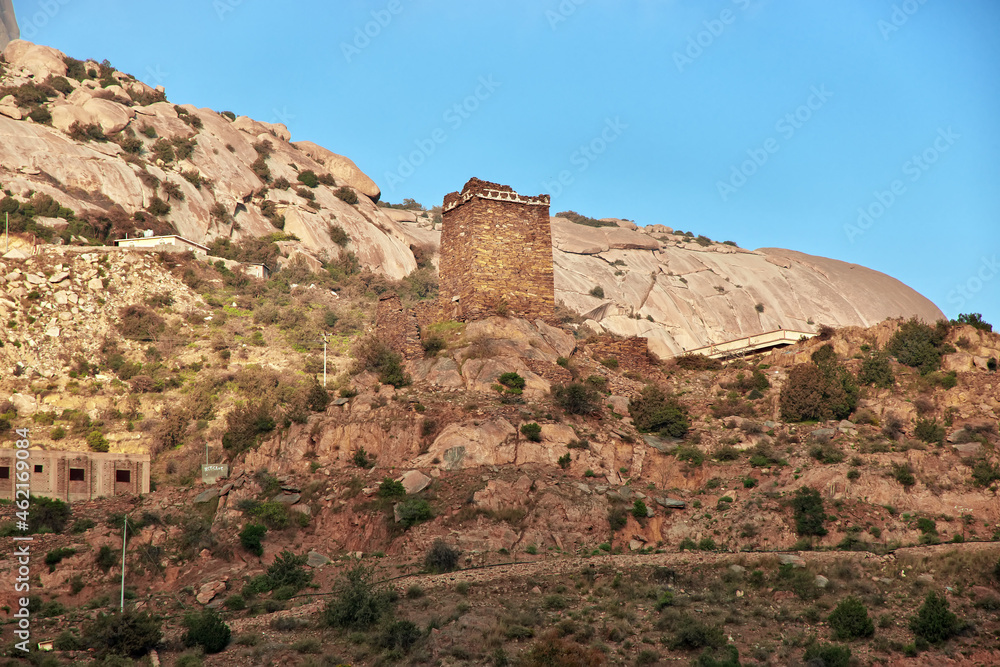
(215, 471)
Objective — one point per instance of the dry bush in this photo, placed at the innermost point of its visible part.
(139, 323)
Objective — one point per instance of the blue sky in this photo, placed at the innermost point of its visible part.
(864, 130)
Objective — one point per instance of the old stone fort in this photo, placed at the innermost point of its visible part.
(496, 259)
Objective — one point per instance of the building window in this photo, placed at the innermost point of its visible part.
(4, 472)
(76, 474)
(123, 476)
(39, 467)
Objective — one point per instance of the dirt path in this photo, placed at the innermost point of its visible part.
(557, 566)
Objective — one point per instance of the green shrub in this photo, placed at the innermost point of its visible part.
(807, 505)
(691, 454)
(818, 393)
(850, 620)
(876, 371)
(532, 432)
(137, 322)
(97, 442)
(106, 558)
(399, 636)
(934, 622)
(308, 178)
(375, 355)
(357, 603)
(617, 518)
(918, 345)
(390, 488)
(47, 515)
(564, 461)
(639, 509)
(656, 411)
(929, 430)
(441, 557)
(130, 633)
(52, 558)
(903, 473)
(432, 345)
(207, 630)
(245, 424)
(251, 536)
(597, 291)
(287, 571)
(975, 320)
(513, 382)
(985, 473)
(828, 655)
(707, 544)
(346, 195)
(576, 398)
(414, 511)
(690, 634)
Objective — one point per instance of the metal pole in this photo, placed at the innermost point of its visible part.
(124, 539)
(326, 337)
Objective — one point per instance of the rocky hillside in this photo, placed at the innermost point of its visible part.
(108, 147)
(580, 513)
(113, 155)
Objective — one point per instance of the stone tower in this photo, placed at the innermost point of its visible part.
(496, 253)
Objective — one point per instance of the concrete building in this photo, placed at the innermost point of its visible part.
(172, 243)
(72, 476)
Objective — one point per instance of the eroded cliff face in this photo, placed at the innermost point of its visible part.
(230, 184)
(8, 23)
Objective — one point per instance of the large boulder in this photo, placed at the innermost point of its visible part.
(343, 169)
(41, 61)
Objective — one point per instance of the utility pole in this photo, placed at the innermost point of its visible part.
(124, 542)
(326, 337)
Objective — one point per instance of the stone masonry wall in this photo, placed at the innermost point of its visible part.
(397, 327)
(496, 253)
(632, 353)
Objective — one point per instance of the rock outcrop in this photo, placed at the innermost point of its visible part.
(239, 178)
(8, 23)
(231, 172)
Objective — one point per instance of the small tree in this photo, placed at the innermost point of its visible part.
(656, 411)
(251, 536)
(390, 488)
(357, 603)
(576, 398)
(934, 622)
(809, 513)
(532, 432)
(130, 633)
(441, 557)
(639, 510)
(850, 620)
(206, 630)
(47, 515)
